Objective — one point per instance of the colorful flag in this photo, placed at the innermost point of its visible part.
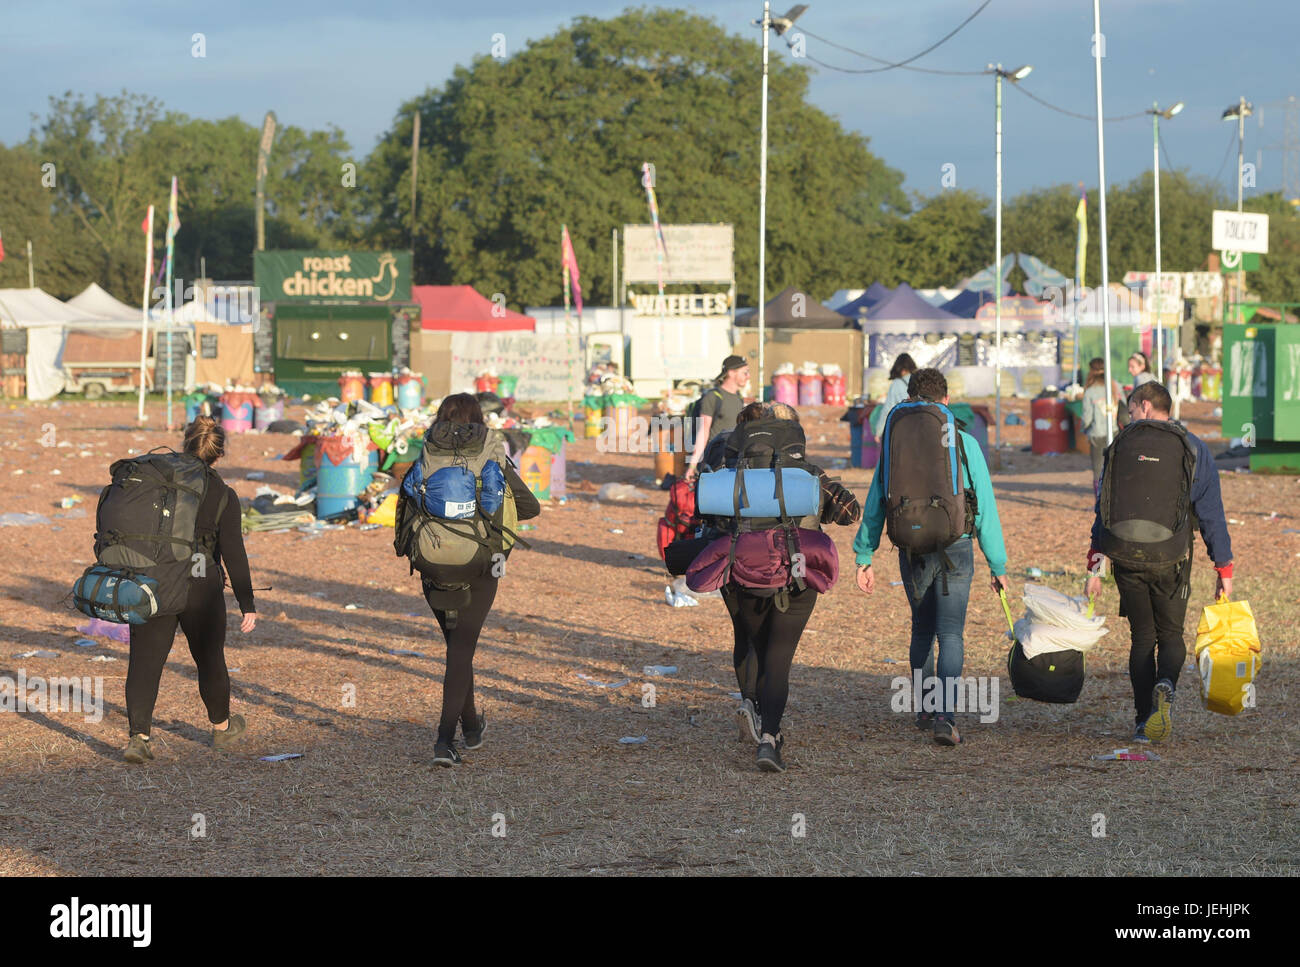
(661, 249)
(173, 220)
(2, 249)
(1081, 245)
(570, 264)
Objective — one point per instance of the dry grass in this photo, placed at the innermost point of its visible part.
(875, 795)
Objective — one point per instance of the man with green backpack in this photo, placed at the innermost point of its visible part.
(933, 492)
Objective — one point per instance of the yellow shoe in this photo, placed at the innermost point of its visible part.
(1160, 725)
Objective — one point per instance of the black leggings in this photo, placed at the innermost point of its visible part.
(1155, 605)
(204, 624)
(458, 684)
(768, 639)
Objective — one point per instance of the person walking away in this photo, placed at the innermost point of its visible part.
(718, 408)
(219, 549)
(919, 456)
(461, 551)
(1159, 484)
(902, 370)
(767, 623)
(1096, 417)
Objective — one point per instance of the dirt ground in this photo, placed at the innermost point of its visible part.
(552, 790)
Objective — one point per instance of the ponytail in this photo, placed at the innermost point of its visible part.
(206, 439)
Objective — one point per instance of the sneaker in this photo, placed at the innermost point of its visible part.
(474, 737)
(769, 753)
(1140, 733)
(1161, 723)
(945, 733)
(747, 720)
(137, 750)
(925, 721)
(445, 754)
(231, 734)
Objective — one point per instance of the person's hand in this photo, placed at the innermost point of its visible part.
(1223, 587)
(1093, 586)
(691, 473)
(999, 583)
(867, 579)
(249, 622)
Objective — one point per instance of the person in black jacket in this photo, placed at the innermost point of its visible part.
(461, 614)
(204, 619)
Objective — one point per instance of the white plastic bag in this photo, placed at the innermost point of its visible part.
(1057, 622)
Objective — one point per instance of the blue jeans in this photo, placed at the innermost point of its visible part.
(939, 615)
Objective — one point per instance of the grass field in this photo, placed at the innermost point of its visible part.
(553, 791)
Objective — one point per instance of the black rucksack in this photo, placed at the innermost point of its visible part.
(923, 459)
(147, 533)
(1146, 483)
(1053, 676)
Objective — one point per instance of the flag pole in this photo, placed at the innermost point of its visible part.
(1097, 42)
(144, 311)
(173, 223)
(568, 320)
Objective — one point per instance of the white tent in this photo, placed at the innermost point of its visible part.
(45, 318)
(94, 301)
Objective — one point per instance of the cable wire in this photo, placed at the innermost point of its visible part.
(902, 63)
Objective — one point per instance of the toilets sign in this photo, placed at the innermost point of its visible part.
(1240, 232)
(339, 277)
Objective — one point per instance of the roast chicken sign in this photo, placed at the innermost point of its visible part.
(342, 277)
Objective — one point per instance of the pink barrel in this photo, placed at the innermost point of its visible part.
(237, 412)
(785, 388)
(834, 390)
(559, 470)
(810, 389)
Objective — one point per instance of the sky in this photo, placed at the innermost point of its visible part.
(353, 64)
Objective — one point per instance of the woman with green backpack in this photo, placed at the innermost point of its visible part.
(460, 551)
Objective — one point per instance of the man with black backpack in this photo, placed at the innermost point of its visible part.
(716, 411)
(1158, 485)
(933, 493)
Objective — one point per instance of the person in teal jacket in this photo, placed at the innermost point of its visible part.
(938, 585)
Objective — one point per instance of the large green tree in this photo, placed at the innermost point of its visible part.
(556, 133)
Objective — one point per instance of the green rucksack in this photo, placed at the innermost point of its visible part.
(450, 552)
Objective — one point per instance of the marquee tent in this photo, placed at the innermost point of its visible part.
(45, 318)
(460, 308)
(863, 304)
(793, 309)
(95, 302)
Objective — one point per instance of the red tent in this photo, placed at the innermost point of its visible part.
(460, 308)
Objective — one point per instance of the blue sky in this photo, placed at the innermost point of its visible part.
(352, 64)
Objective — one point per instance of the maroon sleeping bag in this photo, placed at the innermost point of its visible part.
(762, 561)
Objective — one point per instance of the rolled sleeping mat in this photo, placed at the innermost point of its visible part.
(716, 494)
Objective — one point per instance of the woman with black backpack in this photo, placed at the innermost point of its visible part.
(203, 619)
(767, 625)
(460, 600)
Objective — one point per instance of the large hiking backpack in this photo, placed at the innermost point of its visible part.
(923, 460)
(148, 539)
(680, 519)
(1146, 484)
(766, 474)
(456, 517)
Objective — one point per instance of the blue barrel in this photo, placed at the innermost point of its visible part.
(337, 485)
(267, 413)
(855, 436)
(410, 394)
(716, 493)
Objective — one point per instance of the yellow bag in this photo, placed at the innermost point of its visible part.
(385, 513)
(1227, 654)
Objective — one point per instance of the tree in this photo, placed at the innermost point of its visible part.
(27, 213)
(558, 132)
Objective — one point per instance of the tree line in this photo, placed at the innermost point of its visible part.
(511, 148)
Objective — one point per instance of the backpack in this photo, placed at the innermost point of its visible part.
(456, 513)
(923, 460)
(680, 519)
(148, 537)
(765, 464)
(1051, 676)
(1146, 484)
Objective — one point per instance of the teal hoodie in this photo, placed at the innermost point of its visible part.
(988, 528)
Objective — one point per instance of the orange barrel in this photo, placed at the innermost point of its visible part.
(352, 386)
(834, 390)
(1050, 423)
(620, 418)
(486, 383)
(381, 389)
(535, 470)
(670, 457)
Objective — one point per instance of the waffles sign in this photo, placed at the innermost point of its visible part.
(341, 277)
